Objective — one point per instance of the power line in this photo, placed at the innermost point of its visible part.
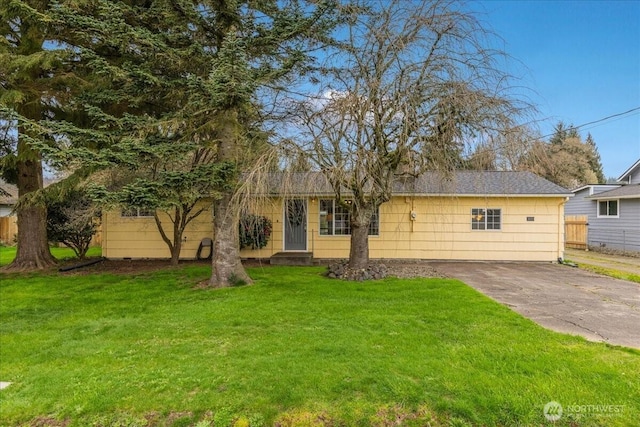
(594, 121)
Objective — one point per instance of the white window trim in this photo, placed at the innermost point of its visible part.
(485, 223)
(608, 216)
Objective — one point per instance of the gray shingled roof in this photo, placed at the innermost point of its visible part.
(624, 192)
(460, 183)
(481, 183)
(8, 194)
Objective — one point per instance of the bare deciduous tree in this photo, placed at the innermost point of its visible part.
(414, 84)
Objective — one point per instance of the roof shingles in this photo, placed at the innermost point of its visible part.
(624, 192)
(460, 183)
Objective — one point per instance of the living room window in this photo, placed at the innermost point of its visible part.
(486, 219)
(608, 209)
(335, 220)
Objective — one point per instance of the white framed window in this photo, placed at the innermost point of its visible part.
(486, 219)
(608, 209)
(136, 213)
(335, 220)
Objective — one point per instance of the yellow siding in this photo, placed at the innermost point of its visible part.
(138, 237)
(441, 230)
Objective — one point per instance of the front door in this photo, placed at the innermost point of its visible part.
(295, 225)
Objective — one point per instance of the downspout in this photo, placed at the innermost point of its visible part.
(560, 254)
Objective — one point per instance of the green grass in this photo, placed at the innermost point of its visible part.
(8, 253)
(611, 272)
(294, 349)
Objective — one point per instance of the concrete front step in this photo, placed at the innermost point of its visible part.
(292, 258)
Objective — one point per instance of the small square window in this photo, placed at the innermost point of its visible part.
(486, 219)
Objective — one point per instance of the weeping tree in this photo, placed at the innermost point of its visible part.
(261, 49)
(413, 85)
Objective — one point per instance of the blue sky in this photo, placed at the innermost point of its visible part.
(582, 61)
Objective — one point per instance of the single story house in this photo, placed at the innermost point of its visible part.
(469, 215)
(8, 219)
(612, 211)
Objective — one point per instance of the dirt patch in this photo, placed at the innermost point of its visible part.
(45, 421)
(616, 252)
(128, 266)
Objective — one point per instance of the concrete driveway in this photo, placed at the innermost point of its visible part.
(558, 297)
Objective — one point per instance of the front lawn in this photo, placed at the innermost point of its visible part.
(8, 253)
(293, 349)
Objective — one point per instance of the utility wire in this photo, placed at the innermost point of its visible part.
(594, 122)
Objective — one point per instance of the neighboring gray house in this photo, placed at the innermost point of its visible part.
(613, 211)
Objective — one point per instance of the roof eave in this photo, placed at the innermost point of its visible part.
(553, 195)
(630, 196)
(628, 171)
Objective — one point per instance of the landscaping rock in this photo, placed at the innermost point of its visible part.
(341, 270)
(376, 270)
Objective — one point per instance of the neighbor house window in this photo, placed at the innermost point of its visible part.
(485, 219)
(608, 208)
(136, 212)
(335, 220)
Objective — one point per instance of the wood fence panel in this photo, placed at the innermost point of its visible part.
(8, 229)
(575, 231)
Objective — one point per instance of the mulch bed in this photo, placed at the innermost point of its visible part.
(400, 268)
(395, 268)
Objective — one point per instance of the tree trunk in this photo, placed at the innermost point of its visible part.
(33, 247)
(177, 236)
(174, 245)
(175, 251)
(227, 269)
(359, 252)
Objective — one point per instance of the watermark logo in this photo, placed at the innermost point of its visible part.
(552, 411)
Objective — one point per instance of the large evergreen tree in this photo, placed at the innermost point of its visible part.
(180, 78)
(35, 81)
(595, 161)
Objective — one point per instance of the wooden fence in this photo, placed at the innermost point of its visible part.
(8, 229)
(575, 231)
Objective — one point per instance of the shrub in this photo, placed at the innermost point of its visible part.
(73, 221)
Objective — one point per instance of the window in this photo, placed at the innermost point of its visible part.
(136, 212)
(485, 219)
(608, 208)
(335, 220)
